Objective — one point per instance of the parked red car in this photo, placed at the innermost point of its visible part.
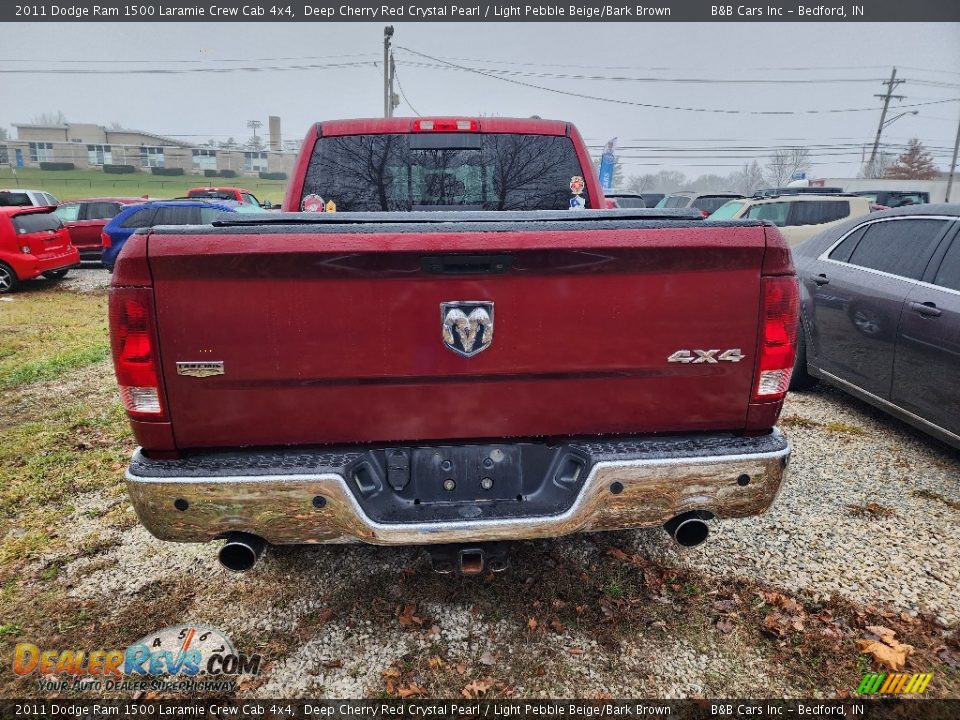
(225, 193)
(85, 220)
(33, 242)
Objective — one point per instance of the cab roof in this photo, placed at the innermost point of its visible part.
(403, 125)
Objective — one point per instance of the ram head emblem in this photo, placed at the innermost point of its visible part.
(467, 326)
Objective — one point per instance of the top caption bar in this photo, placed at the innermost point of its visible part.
(479, 11)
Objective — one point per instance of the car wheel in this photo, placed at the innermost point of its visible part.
(801, 379)
(8, 279)
(56, 274)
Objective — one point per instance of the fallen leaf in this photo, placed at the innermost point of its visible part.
(886, 650)
(331, 664)
(324, 615)
(407, 615)
(391, 672)
(556, 625)
(725, 626)
(409, 691)
(532, 623)
(617, 553)
(462, 668)
(487, 658)
(950, 657)
(575, 651)
(435, 662)
(476, 688)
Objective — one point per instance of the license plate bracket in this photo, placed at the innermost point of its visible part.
(467, 473)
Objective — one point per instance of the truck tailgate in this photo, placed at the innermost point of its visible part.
(333, 333)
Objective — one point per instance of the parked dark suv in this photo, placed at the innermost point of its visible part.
(880, 305)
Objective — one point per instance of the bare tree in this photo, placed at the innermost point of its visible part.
(255, 143)
(784, 163)
(4, 135)
(748, 179)
(665, 181)
(878, 167)
(50, 118)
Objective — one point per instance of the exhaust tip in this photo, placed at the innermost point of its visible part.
(241, 552)
(689, 529)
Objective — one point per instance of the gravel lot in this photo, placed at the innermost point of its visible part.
(338, 606)
(90, 277)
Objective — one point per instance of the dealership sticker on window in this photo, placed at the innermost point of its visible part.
(331, 206)
(312, 203)
(576, 187)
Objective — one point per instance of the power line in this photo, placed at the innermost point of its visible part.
(624, 78)
(396, 76)
(168, 71)
(654, 106)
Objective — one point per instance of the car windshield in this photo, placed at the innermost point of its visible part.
(448, 171)
(726, 211)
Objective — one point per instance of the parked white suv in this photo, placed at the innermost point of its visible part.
(797, 216)
(19, 197)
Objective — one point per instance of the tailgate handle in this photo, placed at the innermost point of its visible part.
(466, 264)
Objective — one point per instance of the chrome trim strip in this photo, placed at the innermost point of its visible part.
(857, 390)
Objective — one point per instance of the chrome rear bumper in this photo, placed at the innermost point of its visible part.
(636, 483)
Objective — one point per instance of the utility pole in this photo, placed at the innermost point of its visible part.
(387, 72)
(891, 84)
(953, 165)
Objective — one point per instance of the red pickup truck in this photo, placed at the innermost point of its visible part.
(469, 350)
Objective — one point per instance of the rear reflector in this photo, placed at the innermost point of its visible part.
(105, 240)
(778, 343)
(446, 125)
(133, 340)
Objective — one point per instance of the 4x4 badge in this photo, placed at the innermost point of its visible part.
(467, 326)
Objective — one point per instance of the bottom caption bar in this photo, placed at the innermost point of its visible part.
(335, 709)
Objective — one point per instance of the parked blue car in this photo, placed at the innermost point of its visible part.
(160, 212)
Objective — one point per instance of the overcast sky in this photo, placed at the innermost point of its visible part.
(854, 57)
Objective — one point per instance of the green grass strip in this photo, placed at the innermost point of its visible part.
(52, 367)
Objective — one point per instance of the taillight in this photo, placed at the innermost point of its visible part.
(105, 240)
(132, 337)
(779, 320)
(446, 125)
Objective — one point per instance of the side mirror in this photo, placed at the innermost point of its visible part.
(267, 205)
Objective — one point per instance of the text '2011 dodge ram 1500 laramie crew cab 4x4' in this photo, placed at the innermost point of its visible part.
(448, 356)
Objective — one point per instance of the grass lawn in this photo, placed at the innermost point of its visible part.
(75, 184)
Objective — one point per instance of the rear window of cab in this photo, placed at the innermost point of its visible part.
(444, 171)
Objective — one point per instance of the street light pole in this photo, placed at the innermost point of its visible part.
(953, 165)
(891, 84)
(387, 74)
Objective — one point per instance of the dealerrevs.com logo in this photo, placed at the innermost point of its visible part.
(183, 657)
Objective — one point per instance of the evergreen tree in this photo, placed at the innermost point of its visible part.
(914, 164)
